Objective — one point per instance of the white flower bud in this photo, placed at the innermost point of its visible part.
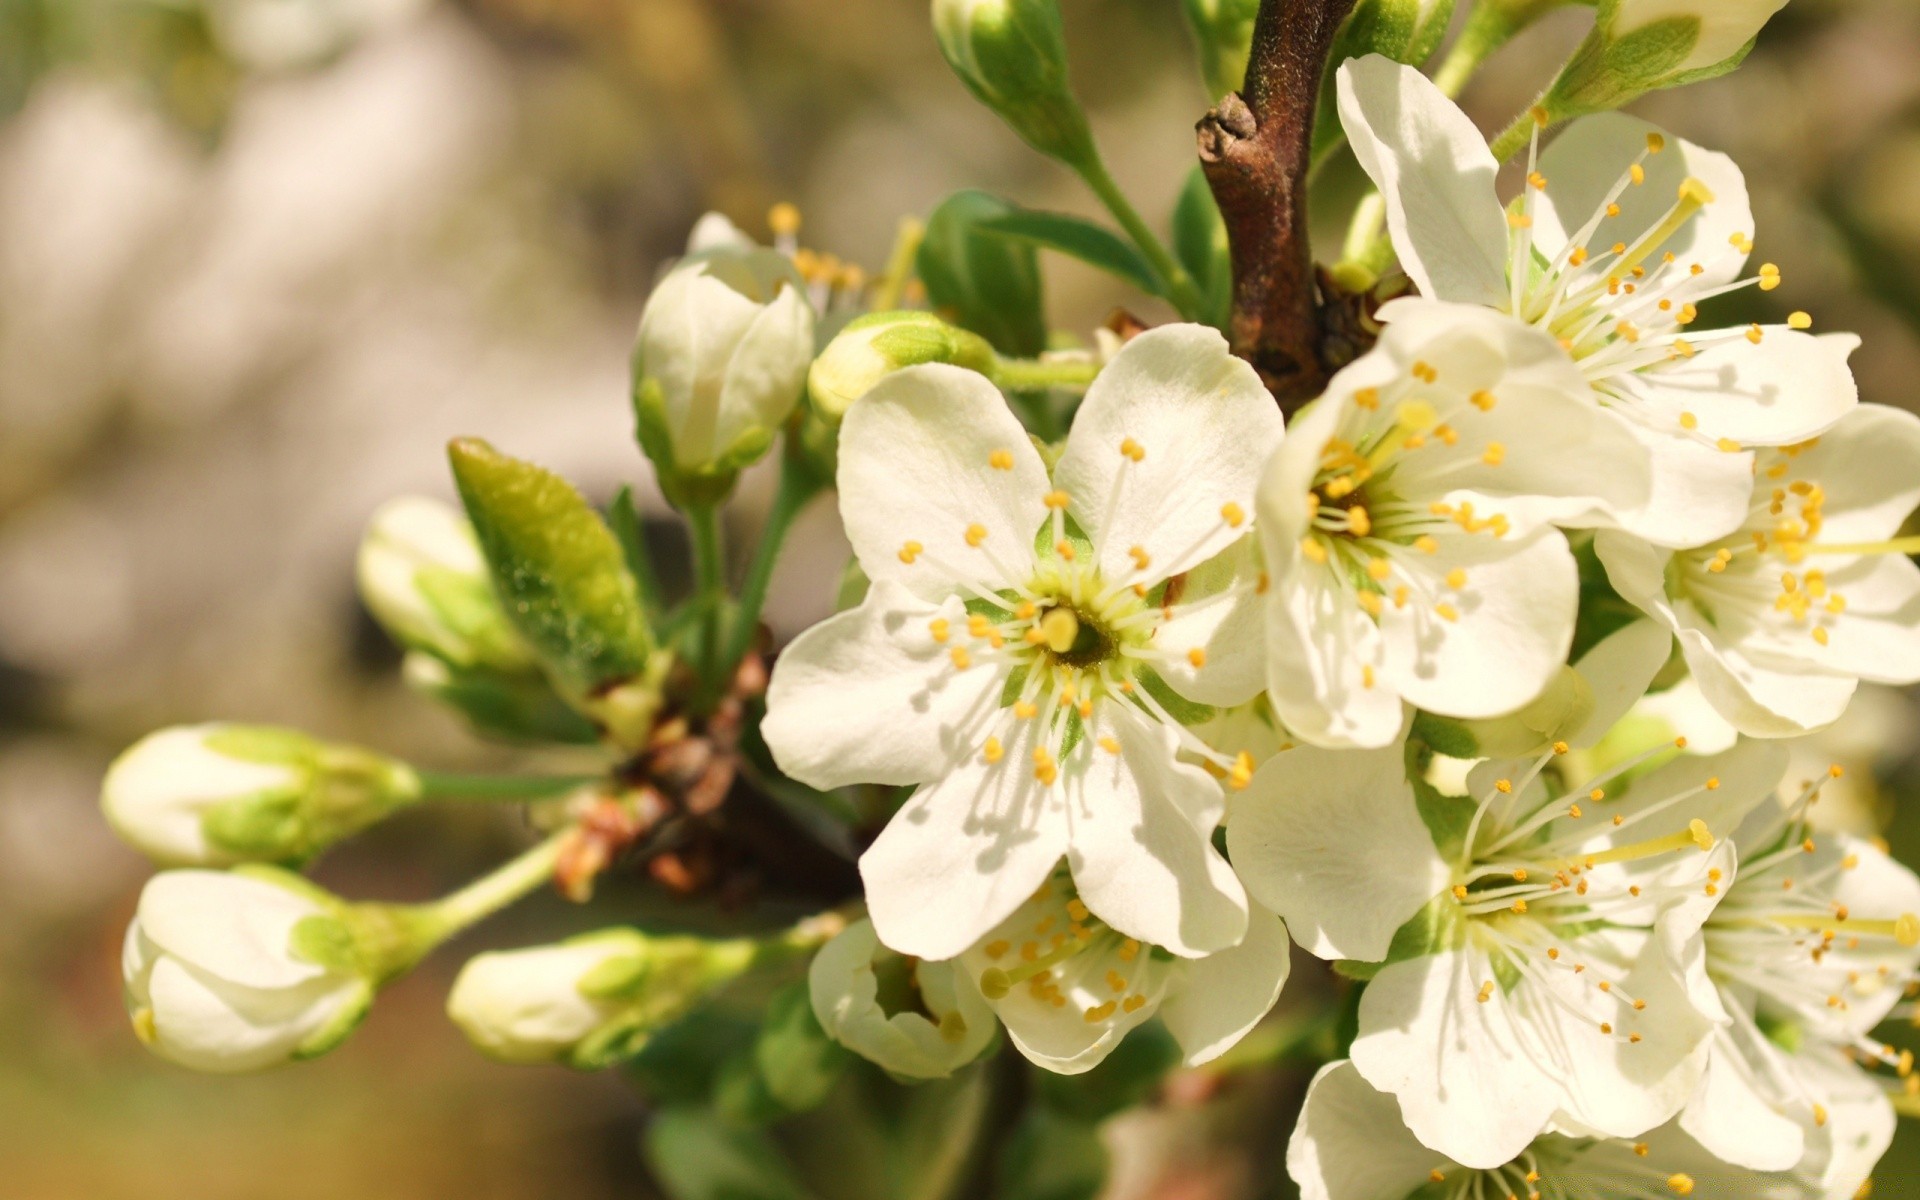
(1724, 26)
(216, 794)
(921, 1020)
(721, 361)
(423, 578)
(1012, 55)
(874, 346)
(225, 972)
(526, 1006)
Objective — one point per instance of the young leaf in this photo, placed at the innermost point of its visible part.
(1200, 243)
(983, 281)
(560, 573)
(1081, 239)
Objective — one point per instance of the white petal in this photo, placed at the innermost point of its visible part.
(1868, 466)
(1788, 388)
(1434, 170)
(1592, 154)
(1294, 839)
(1217, 999)
(1141, 829)
(1618, 670)
(1465, 1086)
(1724, 27)
(767, 370)
(916, 467)
(1319, 649)
(1227, 632)
(869, 695)
(1731, 1115)
(1685, 712)
(1351, 1145)
(1514, 623)
(212, 1025)
(1699, 493)
(1877, 637)
(963, 853)
(844, 993)
(232, 927)
(1860, 1121)
(1761, 701)
(1206, 426)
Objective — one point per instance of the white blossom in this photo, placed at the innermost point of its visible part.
(1725, 26)
(1621, 232)
(1780, 619)
(1409, 525)
(422, 576)
(1351, 1145)
(527, 1006)
(1027, 638)
(917, 1019)
(1069, 987)
(216, 978)
(1536, 941)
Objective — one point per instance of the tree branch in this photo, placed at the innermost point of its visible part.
(1254, 147)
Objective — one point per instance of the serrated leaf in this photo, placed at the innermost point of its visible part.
(985, 282)
(560, 573)
(1076, 237)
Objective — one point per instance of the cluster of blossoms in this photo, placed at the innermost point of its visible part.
(1150, 704)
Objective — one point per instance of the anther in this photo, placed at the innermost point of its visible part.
(1001, 460)
(910, 551)
(1233, 514)
(976, 534)
(1133, 450)
(1057, 499)
(1061, 628)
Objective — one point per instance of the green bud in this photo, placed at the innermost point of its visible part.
(564, 583)
(516, 706)
(874, 346)
(1406, 31)
(217, 794)
(1639, 46)
(1223, 31)
(422, 577)
(981, 280)
(1012, 55)
(590, 1001)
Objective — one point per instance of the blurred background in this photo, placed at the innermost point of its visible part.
(260, 259)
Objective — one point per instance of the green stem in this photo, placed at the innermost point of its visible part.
(710, 588)
(1027, 374)
(453, 785)
(1182, 292)
(511, 881)
(1514, 137)
(797, 486)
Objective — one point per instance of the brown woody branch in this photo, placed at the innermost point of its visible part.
(1255, 147)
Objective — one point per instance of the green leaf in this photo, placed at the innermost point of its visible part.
(1078, 238)
(681, 1064)
(630, 531)
(795, 1057)
(1052, 1157)
(560, 572)
(1200, 243)
(981, 281)
(697, 1156)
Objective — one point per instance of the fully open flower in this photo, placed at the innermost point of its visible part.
(1408, 523)
(1350, 1145)
(1780, 620)
(1027, 641)
(1536, 943)
(1812, 947)
(918, 1019)
(1621, 233)
(1069, 987)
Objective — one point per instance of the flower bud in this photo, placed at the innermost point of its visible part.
(239, 971)
(423, 578)
(916, 1019)
(720, 362)
(874, 346)
(1720, 29)
(518, 706)
(1012, 55)
(1639, 46)
(592, 1000)
(216, 794)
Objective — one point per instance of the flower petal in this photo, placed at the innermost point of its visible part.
(209, 1024)
(871, 696)
(1860, 1122)
(1699, 494)
(1618, 670)
(1293, 840)
(1868, 467)
(1203, 425)
(1141, 828)
(1227, 630)
(768, 369)
(1217, 999)
(231, 927)
(1591, 155)
(1351, 1145)
(964, 852)
(1320, 650)
(917, 457)
(1457, 1066)
(1510, 626)
(1730, 1113)
(1789, 387)
(1435, 172)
